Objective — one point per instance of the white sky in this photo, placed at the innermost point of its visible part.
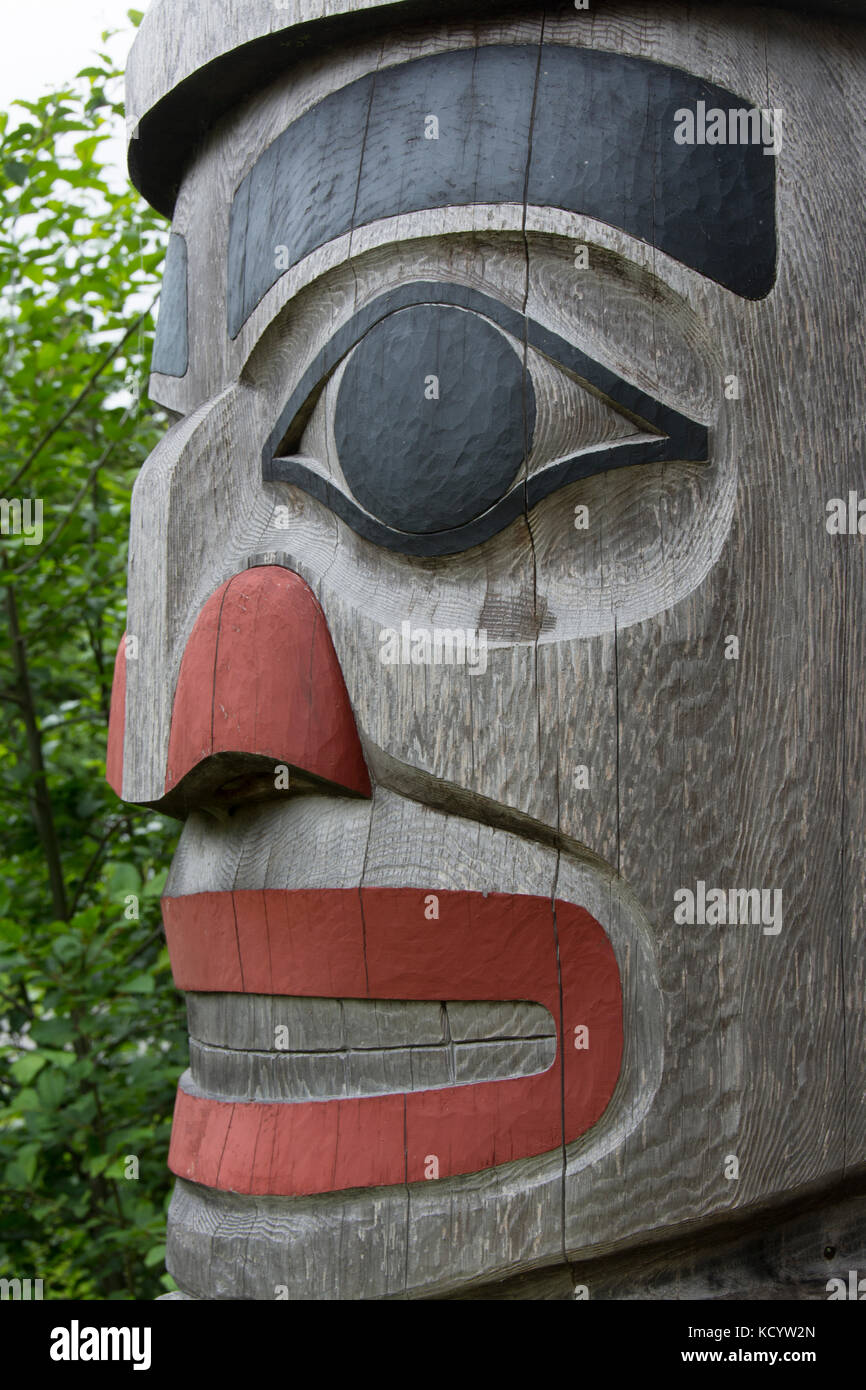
(46, 42)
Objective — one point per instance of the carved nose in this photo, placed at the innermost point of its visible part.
(260, 686)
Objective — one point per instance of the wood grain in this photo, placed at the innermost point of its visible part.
(609, 650)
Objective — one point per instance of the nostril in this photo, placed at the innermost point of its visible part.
(223, 783)
(238, 790)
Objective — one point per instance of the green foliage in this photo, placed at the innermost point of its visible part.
(91, 1029)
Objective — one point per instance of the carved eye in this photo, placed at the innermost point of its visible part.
(438, 415)
(433, 414)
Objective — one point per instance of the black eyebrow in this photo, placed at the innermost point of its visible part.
(585, 130)
(680, 438)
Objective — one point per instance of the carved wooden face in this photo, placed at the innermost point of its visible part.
(462, 594)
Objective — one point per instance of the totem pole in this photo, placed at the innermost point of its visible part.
(496, 628)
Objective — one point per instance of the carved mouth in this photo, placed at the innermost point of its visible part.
(261, 1048)
(322, 1055)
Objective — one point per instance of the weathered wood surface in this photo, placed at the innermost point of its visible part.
(609, 651)
(273, 34)
(781, 1255)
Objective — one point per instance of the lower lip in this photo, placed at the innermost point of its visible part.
(406, 944)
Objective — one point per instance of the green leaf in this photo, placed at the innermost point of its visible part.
(20, 1175)
(54, 1031)
(155, 1256)
(139, 984)
(27, 1100)
(85, 149)
(154, 887)
(51, 1088)
(66, 948)
(15, 171)
(64, 1060)
(28, 1066)
(97, 1164)
(122, 879)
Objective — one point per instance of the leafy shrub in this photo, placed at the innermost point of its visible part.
(91, 1029)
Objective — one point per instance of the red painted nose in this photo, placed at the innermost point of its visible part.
(117, 722)
(260, 676)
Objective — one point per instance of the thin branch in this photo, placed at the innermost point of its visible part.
(82, 395)
(43, 813)
(94, 860)
(158, 935)
(92, 471)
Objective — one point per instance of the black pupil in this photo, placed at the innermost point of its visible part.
(434, 417)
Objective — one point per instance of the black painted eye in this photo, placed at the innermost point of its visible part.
(434, 414)
(423, 407)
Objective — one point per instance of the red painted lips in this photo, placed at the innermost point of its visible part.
(378, 943)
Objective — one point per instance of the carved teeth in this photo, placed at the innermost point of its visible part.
(259, 1047)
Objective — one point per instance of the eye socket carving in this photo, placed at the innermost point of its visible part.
(435, 411)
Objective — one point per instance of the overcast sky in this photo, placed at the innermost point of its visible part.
(46, 42)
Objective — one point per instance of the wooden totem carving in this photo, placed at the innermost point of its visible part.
(497, 602)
